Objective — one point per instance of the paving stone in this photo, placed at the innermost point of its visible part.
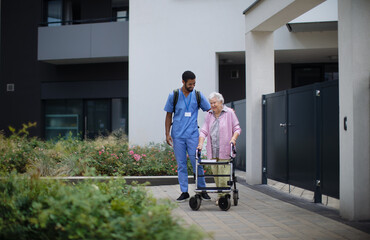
(255, 236)
(284, 235)
(257, 216)
(264, 224)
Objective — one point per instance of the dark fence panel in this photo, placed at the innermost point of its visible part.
(276, 144)
(330, 139)
(240, 111)
(301, 138)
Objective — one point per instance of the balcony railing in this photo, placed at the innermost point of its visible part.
(83, 21)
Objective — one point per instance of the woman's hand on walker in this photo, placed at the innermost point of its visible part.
(200, 146)
(233, 141)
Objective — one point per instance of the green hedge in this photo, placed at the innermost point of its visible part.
(110, 155)
(31, 208)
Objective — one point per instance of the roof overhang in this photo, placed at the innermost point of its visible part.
(269, 15)
(313, 26)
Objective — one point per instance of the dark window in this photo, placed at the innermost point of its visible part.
(305, 74)
(63, 117)
(61, 12)
(120, 10)
(64, 12)
(85, 118)
(54, 13)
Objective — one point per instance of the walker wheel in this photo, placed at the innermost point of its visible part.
(224, 203)
(195, 202)
(235, 197)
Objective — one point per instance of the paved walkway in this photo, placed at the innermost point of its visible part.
(261, 215)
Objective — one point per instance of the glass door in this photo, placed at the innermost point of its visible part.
(97, 118)
(63, 118)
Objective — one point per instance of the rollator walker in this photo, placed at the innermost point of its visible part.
(224, 202)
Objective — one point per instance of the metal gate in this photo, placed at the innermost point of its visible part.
(301, 138)
(240, 111)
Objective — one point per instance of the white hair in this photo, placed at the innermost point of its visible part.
(216, 95)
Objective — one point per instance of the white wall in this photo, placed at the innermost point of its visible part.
(326, 11)
(354, 102)
(167, 37)
(285, 40)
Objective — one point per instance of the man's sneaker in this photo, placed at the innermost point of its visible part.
(183, 197)
(205, 196)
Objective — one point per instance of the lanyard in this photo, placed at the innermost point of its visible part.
(187, 103)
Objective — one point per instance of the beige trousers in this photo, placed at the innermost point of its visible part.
(221, 170)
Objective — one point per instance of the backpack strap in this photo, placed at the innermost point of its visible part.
(176, 98)
(197, 94)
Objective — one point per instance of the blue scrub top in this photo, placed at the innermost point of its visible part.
(186, 127)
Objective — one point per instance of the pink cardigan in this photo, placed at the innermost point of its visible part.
(229, 124)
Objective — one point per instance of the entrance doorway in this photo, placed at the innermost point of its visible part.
(97, 118)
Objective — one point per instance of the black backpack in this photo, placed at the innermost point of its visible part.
(176, 98)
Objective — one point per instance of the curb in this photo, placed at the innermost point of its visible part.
(152, 180)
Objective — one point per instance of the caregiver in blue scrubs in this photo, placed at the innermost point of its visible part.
(184, 134)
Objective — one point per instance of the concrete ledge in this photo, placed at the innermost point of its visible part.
(152, 180)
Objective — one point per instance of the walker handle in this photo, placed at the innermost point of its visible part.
(233, 150)
(198, 154)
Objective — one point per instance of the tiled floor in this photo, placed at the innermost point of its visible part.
(300, 192)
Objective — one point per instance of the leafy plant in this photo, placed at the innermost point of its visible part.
(31, 208)
(24, 130)
(106, 155)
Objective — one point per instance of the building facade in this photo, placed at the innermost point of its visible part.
(64, 65)
(91, 67)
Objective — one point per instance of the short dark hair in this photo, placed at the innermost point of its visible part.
(188, 75)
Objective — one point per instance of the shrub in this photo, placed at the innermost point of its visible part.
(109, 155)
(31, 208)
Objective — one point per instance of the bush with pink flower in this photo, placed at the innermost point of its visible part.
(109, 155)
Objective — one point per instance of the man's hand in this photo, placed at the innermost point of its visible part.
(167, 124)
(169, 140)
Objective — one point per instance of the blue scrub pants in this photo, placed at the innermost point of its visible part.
(180, 147)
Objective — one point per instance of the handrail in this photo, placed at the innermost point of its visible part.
(71, 22)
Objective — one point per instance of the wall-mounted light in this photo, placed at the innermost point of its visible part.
(10, 87)
(234, 73)
(225, 61)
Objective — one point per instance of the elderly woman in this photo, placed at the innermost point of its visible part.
(221, 128)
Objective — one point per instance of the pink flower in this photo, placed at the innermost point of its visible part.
(143, 155)
(99, 152)
(137, 157)
(131, 152)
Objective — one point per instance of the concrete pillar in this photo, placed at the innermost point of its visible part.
(354, 101)
(259, 54)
